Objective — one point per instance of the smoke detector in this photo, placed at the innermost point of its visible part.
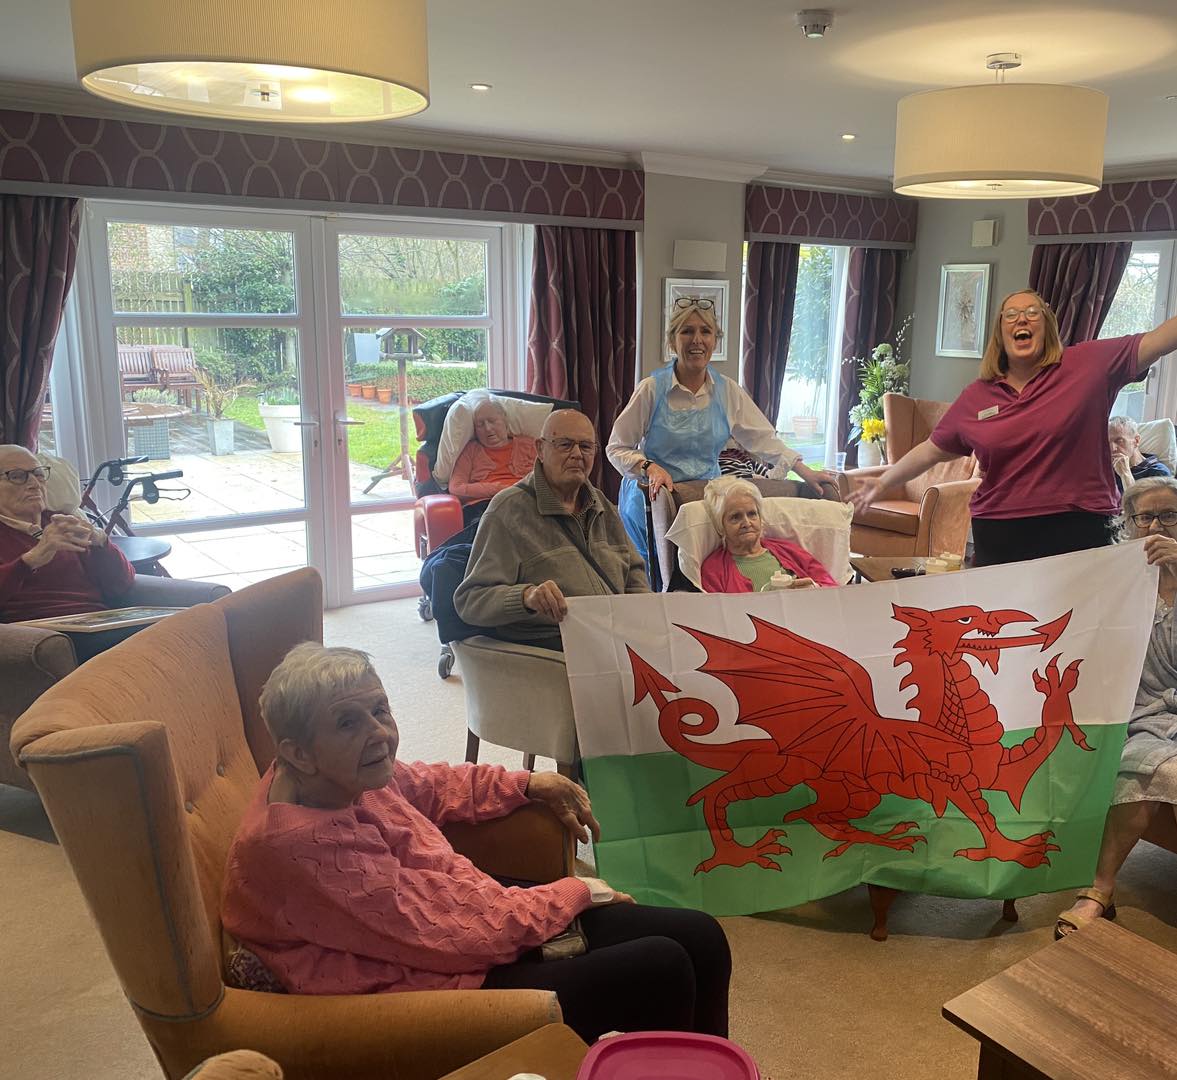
(814, 22)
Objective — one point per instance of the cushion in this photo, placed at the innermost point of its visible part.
(820, 526)
(891, 515)
(523, 418)
(1158, 437)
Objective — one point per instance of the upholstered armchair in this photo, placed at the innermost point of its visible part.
(145, 759)
(929, 514)
(33, 658)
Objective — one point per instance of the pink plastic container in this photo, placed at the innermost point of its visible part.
(667, 1055)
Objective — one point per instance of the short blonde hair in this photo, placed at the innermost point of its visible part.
(309, 678)
(680, 316)
(995, 363)
(718, 491)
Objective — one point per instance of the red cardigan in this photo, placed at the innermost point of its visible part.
(372, 898)
(719, 573)
(72, 582)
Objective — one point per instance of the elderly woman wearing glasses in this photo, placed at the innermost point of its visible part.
(679, 419)
(1146, 787)
(1037, 421)
(50, 564)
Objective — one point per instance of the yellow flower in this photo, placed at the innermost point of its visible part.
(873, 430)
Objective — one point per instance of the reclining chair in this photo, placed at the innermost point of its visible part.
(929, 514)
(146, 758)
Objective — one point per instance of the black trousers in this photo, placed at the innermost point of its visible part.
(646, 969)
(997, 541)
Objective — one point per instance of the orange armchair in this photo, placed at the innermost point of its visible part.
(145, 759)
(929, 514)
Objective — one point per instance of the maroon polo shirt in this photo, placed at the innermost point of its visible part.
(1045, 450)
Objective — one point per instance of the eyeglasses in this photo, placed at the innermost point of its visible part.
(1168, 518)
(700, 302)
(1033, 313)
(20, 477)
(566, 446)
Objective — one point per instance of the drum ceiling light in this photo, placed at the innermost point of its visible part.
(292, 61)
(1001, 140)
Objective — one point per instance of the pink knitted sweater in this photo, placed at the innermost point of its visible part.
(372, 898)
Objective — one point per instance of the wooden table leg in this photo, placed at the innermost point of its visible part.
(881, 898)
(993, 1065)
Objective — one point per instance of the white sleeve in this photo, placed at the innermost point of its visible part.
(751, 429)
(629, 431)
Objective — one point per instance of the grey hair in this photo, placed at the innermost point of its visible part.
(718, 491)
(1125, 423)
(1133, 492)
(493, 403)
(308, 679)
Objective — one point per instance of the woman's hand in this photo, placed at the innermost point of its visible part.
(1161, 551)
(802, 583)
(63, 533)
(568, 801)
(868, 492)
(814, 477)
(659, 478)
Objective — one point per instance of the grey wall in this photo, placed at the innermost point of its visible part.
(684, 208)
(945, 236)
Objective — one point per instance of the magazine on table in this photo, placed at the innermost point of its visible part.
(91, 622)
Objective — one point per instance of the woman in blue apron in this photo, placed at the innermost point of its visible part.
(679, 419)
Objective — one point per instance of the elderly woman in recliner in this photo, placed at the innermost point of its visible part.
(494, 459)
(341, 882)
(50, 564)
(747, 560)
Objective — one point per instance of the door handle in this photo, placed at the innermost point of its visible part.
(305, 423)
(349, 423)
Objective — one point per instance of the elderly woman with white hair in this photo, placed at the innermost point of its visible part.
(341, 882)
(680, 418)
(493, 460)
(747, 560)
(1146, 785)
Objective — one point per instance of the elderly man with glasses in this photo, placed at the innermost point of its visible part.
(50, 564)
(551, 536)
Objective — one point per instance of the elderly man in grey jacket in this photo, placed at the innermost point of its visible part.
(551, 536)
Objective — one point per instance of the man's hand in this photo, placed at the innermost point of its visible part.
(814, 477)
(547, 600)
(862, 497)
(568, 801)
(659, 478)
(1122, 468)
(63, 533)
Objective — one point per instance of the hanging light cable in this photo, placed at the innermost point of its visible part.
(288, 60)
(1000, 140)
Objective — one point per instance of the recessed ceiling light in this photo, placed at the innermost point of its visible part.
(848, 137)
(481, 87)
(1171, 97)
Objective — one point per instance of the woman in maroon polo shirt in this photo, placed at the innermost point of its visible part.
(1037, 421)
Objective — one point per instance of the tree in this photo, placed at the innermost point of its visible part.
(809, 343)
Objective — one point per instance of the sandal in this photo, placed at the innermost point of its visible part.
(1068, 922)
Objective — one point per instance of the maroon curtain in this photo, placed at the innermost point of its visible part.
(38, 248)
(582, 338)
(872, 286)
(1079, 282)
(769, 293)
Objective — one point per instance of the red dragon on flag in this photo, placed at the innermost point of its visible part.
(817, 706)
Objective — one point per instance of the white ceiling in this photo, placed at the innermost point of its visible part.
(727, 79)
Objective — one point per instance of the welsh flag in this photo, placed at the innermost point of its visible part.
(955, 734)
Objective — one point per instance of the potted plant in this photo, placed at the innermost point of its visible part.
(384, 390)
(354, 389)
(279, 407)
(883, 372)
(368, 391)
(220, 390)
(870, 444)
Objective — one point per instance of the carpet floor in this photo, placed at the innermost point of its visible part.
(812, 995)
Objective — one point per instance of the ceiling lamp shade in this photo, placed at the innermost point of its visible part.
(1000, 141)
(293, 61)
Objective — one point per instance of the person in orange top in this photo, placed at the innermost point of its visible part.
(494, 459)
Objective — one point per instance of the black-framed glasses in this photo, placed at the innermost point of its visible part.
(20, 477)
(1167, 518)
(700, 302)
(566, 446)
(1033, 313)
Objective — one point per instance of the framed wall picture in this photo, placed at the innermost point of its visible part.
(964, 310)
(704, 289)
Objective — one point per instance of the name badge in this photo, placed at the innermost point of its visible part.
(984, 414)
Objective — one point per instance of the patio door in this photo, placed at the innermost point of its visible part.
(226, 341)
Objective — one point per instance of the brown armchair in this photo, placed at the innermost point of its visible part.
(33, 658)
(145, 758)
(929, 514)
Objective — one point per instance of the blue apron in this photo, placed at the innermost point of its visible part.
(685, 442)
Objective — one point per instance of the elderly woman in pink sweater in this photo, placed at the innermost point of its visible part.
(340, 880)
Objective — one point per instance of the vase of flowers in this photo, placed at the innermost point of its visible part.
(883, 372)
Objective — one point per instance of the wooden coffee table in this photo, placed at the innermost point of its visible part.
(1099, 1005)
(878, 567)
(553, 1052)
